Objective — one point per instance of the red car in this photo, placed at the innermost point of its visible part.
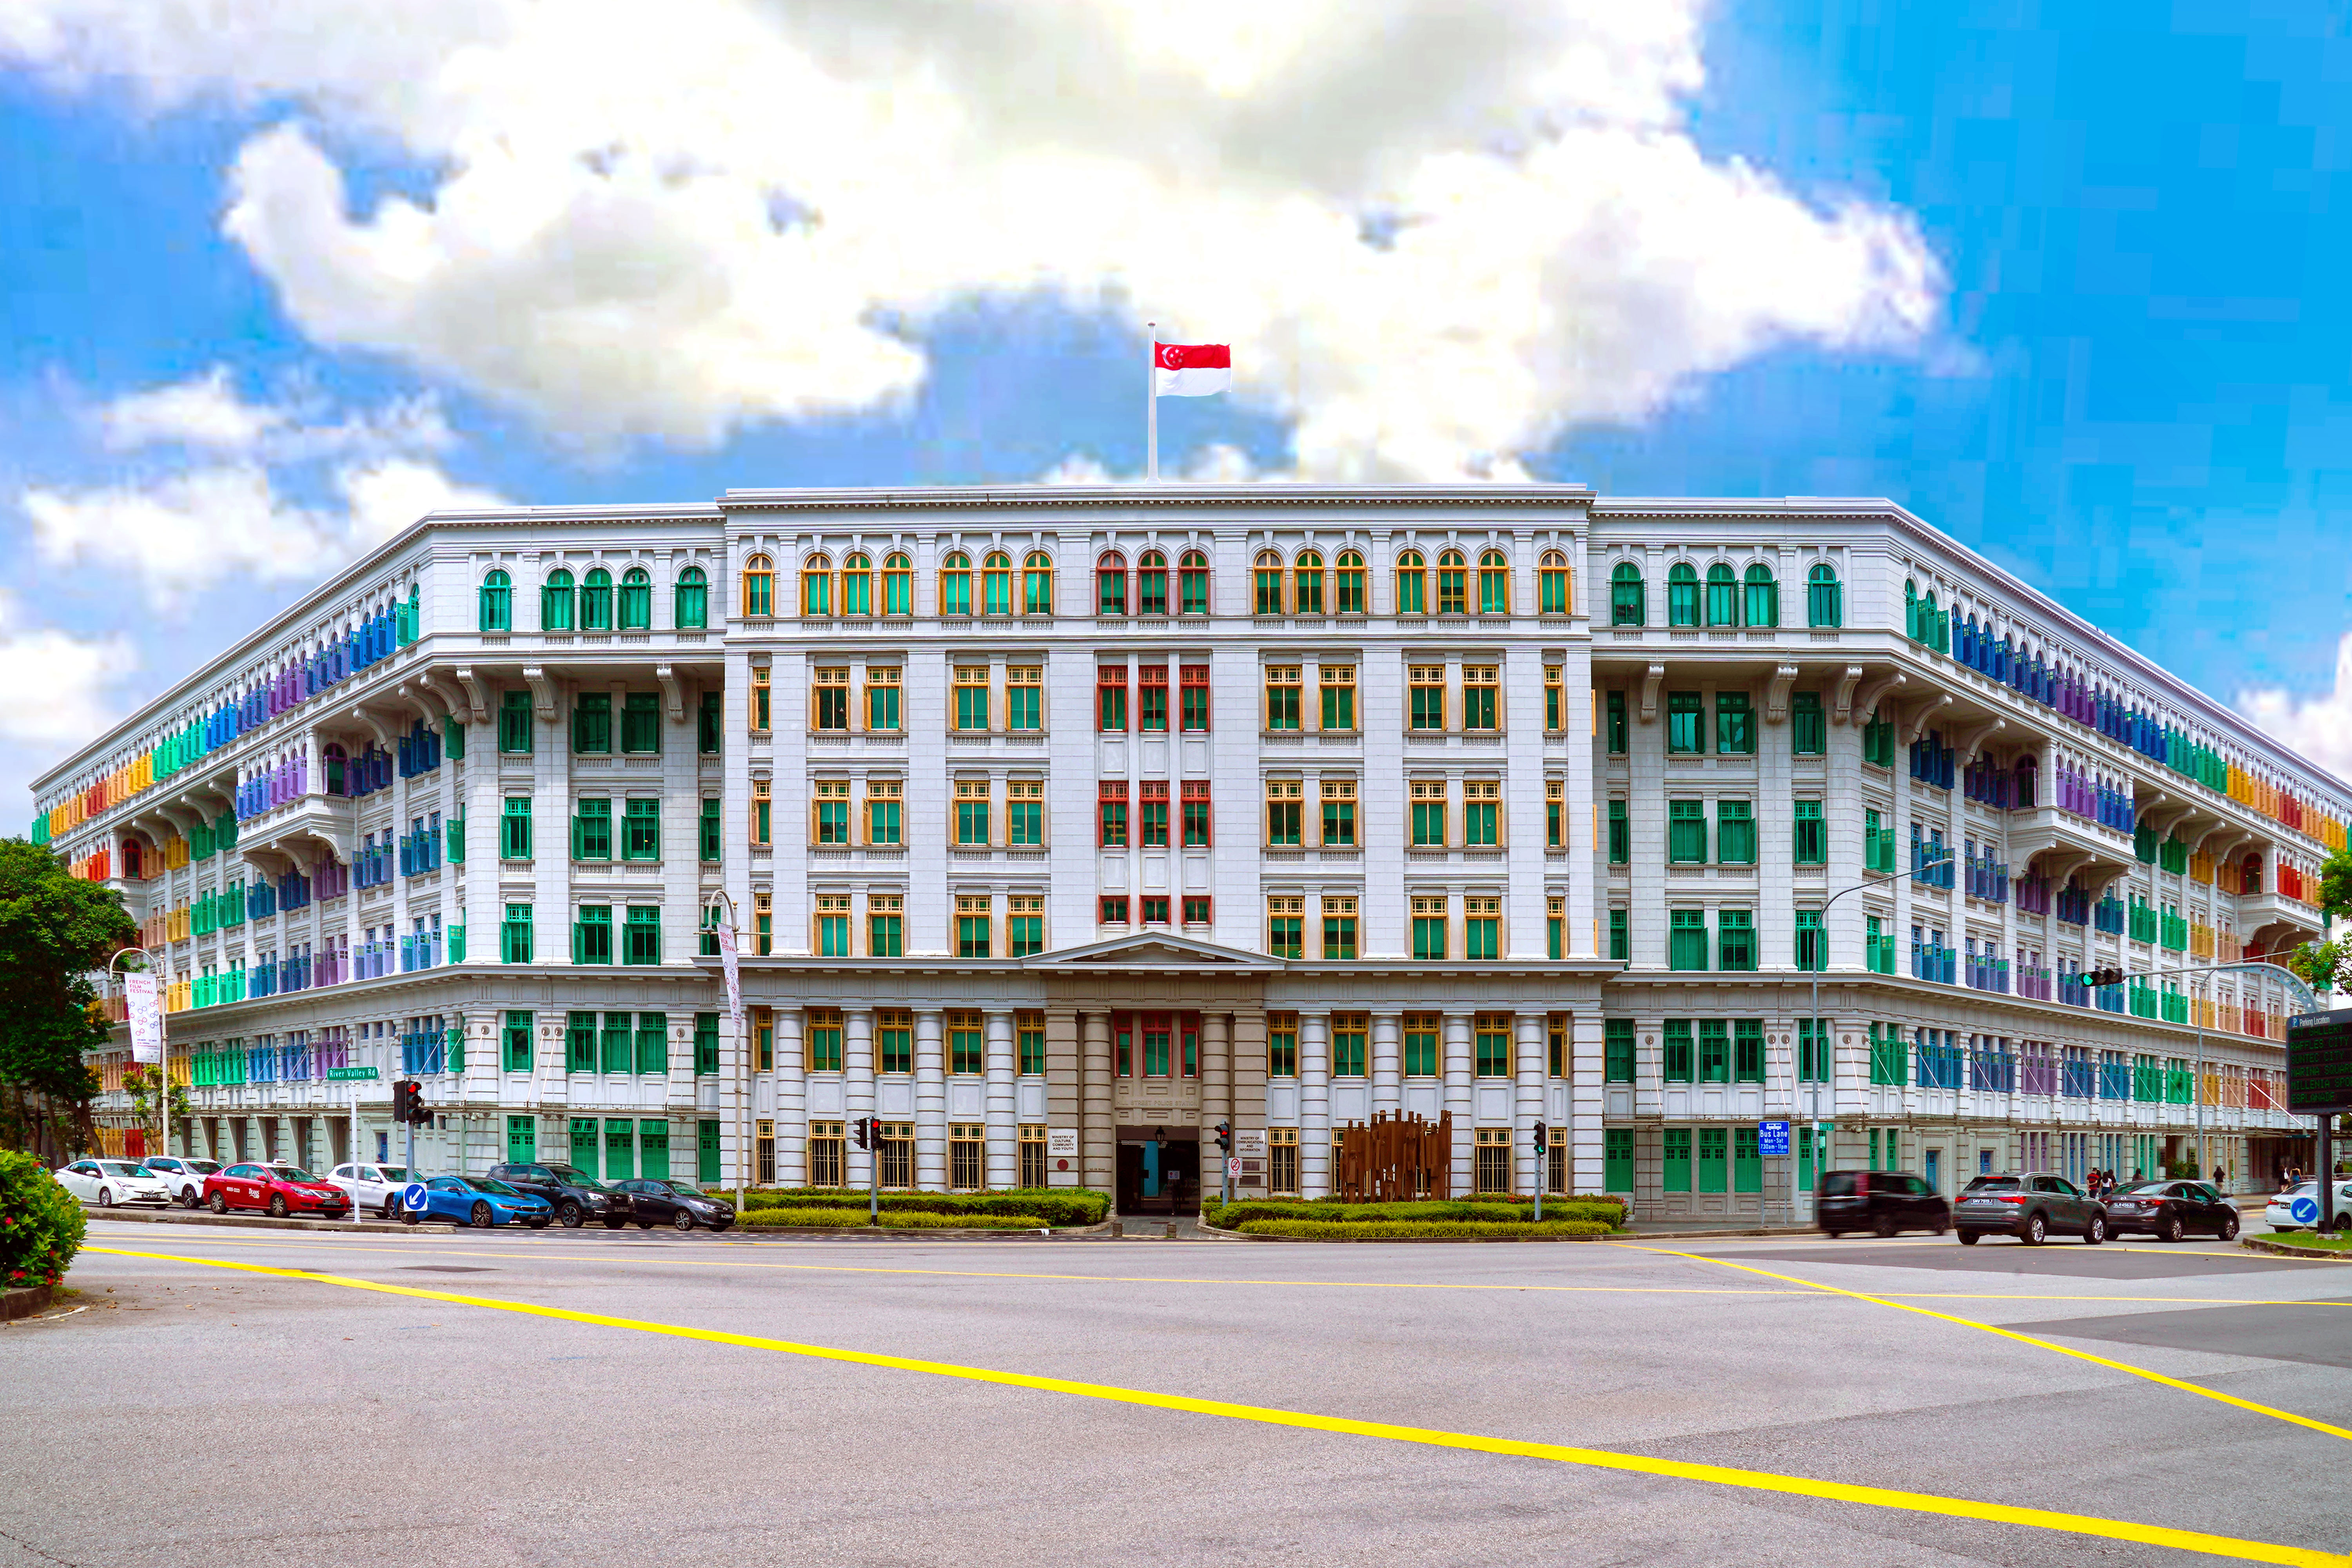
(281, 1189)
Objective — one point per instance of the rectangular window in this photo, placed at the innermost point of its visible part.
(1616, 734)
(1621, 935)
(516, 1039)
(1152, 699)
(1617, 1159)
(1025, 697)
(515, 935)
(761, 705)
(1348, 1036)
(829, 698)
(1112, 911)
(1284, 813)
(1714, 1051)
(1196, 909)
(709, 836)
(1339, 684)
(1111, 698)
(1809, 734)
(1555, 1038)
(643, 935)
(1024, 812)
(1490, 1045)
(974, 928)
(1621, 832)
(967, 1156)
(763, 1148)
(1675, 1159)
(1338, 926)
(1687, 832)
(1617, 1050)
(641, 722)
(706, 1044)
(823, 1046)
(515, 722)
(592, 831)
(1151, 815)
(1024, 924)
(1421, 1044)
(1429, 813)
(1429, 927)
(762, 815)
(653, 1043)
(1282, 1160)
(591, 938)
(514, 828)
(1748, 1050)
(894, 1041)
(1110, 814)
(1686, 722)
(764, 924)
(1193, 708)
(1195, 803)
(1686, 932)
(972, 814)
(1555, 701)
(1735, 832)
(1811, 847)
(1285, 921)
(829, 813)
(832, 919)
(1282, 1044)
(592, 724)
(1812, 942)
(883, 804)
(971, 697)
(1735, 938)
(1482, 811)
(1735, 724)
(1482, 927)
(641, 830)
(1282, 697)
(882, 699)
(1481, 696)
(967, 1044)
(579, 1042)
(1678, 1058)
(1555, 813)
(1033, 1155)
(825, 1158)
(709, 727)
(886, 927)
(1425, 696)
(1555, 927)
(1029, 1045)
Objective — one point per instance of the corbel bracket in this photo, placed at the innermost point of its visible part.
(1652, 679)
(1776, 695)
(673, 692)
(542, 692)
(1841, 704)
(1928, 710)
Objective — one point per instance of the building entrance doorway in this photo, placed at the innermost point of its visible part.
(1158, 1171)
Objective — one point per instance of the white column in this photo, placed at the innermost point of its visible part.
(1314, 1105)
(791, 1100)
(857, 1088)
(930, 1105)
(1388, 1063)
(1457, 1068)
(1528, 1100)
(1004, 1119)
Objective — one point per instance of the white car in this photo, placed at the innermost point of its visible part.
(2299, 1208)
(185, 1178)
(109, 1182)
(374, 1189)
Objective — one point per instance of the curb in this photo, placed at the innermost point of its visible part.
(263, 1222)
(912, 1233)
(1221, 1234)
(2285, 1249)
(25, 1303)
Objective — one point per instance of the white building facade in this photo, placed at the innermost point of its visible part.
(1061, 825)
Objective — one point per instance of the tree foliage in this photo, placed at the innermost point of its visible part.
(55, 932)
(2336, 886)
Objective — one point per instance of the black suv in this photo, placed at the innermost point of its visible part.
(2032, 1207)
(1881, 1202)
(575, 1195)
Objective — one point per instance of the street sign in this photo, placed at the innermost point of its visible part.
(1233, 1168)
(2304, 1210)
(2319, 1064)
(413, 1195)
(1772, 1139)
(350, 1075)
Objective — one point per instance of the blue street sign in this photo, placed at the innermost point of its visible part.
(2304, 1210)
(413, 1195)
(1772, 1138)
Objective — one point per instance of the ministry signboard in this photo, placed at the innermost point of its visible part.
(2319, 1064)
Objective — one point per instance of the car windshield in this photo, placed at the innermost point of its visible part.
(2142, 1188)
(291, 1173)
(484, 1185)
(1992, 1184)
(691, 1192)
(204, 1167)
(123, 1168)
(393, 1172)
(570, 1176)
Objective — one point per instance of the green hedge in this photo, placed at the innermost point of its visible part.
(41, 1223)
(801, 1215)
(1058, 1206)
(1421, 1230)
(1327, 1210)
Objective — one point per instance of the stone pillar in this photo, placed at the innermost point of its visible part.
(1459, 1100)
(1216, 1076)
(1586, 1101)
(1249, 1080)
(1098, 1133)
(1064, 1081)
(791, 1099)
(1003, 1103)
(1529, 1066)
(858, 1089)
(1387, 1046)
(1314, 1105)
(930, 1105)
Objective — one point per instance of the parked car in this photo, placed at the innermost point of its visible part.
(185, 1178)
(576, 1196)
(373, 1189)
(479, 1202)
(653, 1203)
(282, 1190)
(109, 1182)
(1885, 1203)
(2170, 1209)
(2298, 1209)
(2032, 1207)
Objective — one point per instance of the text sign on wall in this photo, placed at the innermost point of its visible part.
(1061, 1143)
(1249, 1142)
(2319, 1064)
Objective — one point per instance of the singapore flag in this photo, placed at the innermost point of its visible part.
(1189, 369)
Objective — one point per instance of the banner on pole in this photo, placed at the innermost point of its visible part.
(146, 1017)
(732, 970)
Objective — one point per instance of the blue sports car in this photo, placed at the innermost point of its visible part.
(477, 1201)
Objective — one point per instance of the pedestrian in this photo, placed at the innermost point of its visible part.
(2091, 1181)
(2221, 1178)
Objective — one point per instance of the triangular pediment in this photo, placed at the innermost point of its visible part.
(1153, 950)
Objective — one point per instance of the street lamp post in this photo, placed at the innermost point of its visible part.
(1816, 958)
(741, 1088)
(163, 1052)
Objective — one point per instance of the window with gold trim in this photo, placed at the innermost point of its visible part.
(1025, 697)
(829, 698)
(1285, 807)
(764, 924)
(974, 927)
(762, 806)
(1453, 583)
(1339, 927)
(894, 1040)
(821, 1040)
(1425, 698)
(1282, 1160)
(1282, 698)
(831, 934)
(1482, 927)
(1339, 694)
(1429, 802)
(759, 587)
(1307, 583)
(1555, 701)
(1412, 585)
(829, 813)
(1285, 921)
(816, 586)
(955, 583)
(972, 804)
(1481, 696)
(760, 706)
(886, 925)
(1338, 813)
(882, 705)
(884, 802)
(1482, 814)
(1429, 927)
(967, 1156)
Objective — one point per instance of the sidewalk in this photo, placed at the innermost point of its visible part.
(200, 1216)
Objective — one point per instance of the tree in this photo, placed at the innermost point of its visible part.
(55, 932)
(142, 1082)
(2323, 965)
(2336, 886)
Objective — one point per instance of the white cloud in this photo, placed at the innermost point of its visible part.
(2320, 728)
(179, 534)
(667, 231)
(62, 688)
(208, 412)
(203, 412)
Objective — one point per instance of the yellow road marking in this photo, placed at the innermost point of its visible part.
(2113, 1366)
(1597, 1459)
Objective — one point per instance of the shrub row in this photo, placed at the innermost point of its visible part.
(1228, 1215)
(41, 1223)
(1419, 1230)
(798, 1214)
(1059, 1205)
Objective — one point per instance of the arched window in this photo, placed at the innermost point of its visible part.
(955, 585)
(636, 600)
(1629, 600)
(1551, 584)
(1110, 584)
(1151, 585)
(555, 602)
(1037, 584)
(497, 602)
(596, 601)
(1722, 596)
(1911, 609)
(1192, 583)
(858, 585)
(1824, 601)
(1493, 583)
(1934, 629)
(759, 586)
(1350, 599)
(1265, 581)
(690, 599)
(1763, 605)
(1307, 583)
(1682, 594)
(1453, 583)
(1413, 584)
(334, 760)
(996, 583)
(816, 586)
(897, 585)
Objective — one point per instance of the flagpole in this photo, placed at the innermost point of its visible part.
(1151, 401)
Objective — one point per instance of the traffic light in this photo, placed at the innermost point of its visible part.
(1540, 1135)
(857, 1130)
(2096, 978)
(408, 1103)
(1224, 1137)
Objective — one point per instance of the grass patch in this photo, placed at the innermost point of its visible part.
(813, 1217)
(1030, 1207)
(2308, 1242)
(1421, 1230)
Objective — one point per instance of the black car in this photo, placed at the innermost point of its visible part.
(2171, 1209)
(1883, 1203)
(2032, 1207)
(653, 1203)
(576, 1196)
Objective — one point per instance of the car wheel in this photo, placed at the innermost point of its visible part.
(614, 1224)
(277, 1205)
(722, 1229)
(480, 1217)
(1968, 1239)
(569, 1215)
(1942, 1225)
(1832, 1235)
(2037, 1230)
(536, 1223)
(2095, 1231)
(1885, 1227)
(218, 1205)
(391, 1206)
(645, 1225)
(2169, 1228)
(106, 1198)
(194, 1197)
(410, 1217)
(683, 1220)
(2229, 1231)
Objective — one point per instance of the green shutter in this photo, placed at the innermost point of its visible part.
(706, 1044)
(1617, 1159)
(523, 1140)
(653, 1043)
(620, 1150)
(653, 1142)
(583, 1143)
(705, 1153)
(1674, 1169)
(1712, 1159)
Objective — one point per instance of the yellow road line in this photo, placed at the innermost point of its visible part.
(2214, 1394)
(1598, 1458)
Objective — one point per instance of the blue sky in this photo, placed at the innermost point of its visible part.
(2058, 278)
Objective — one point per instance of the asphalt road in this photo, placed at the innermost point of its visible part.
(194, 1414)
